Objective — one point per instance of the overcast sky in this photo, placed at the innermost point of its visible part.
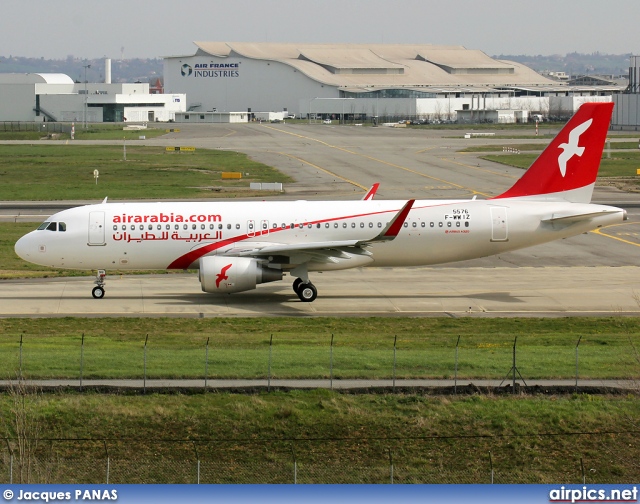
(55, 29)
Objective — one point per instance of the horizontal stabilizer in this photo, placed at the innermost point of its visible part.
(570, 219)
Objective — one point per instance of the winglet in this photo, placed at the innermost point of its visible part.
(371, 192)
(393, 228)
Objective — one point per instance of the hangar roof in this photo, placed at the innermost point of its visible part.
(35, 78)
(366, 67)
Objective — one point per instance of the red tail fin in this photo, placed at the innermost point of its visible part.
(568, 167)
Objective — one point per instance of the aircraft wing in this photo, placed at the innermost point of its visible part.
(325, 248)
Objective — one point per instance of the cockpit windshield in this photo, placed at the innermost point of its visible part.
(52, 226)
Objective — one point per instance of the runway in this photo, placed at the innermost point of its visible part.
(456, 292)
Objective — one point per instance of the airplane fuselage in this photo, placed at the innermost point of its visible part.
(164, 235)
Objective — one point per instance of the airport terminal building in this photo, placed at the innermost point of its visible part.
(359, 81)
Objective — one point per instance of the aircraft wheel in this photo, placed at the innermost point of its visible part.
(296, 284)
(98, 292)
(307, 292)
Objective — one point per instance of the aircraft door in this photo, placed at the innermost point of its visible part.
(499, 227)
(251, 228)
(96, 228)
(264, 227)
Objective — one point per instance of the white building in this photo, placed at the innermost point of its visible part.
(356, 80)
(56, 97)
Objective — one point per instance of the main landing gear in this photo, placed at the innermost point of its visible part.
(98, 290)
(306, 291)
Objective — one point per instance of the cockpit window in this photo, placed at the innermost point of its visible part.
(52, 226)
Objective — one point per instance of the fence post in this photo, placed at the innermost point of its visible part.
(195, 448)
(295, 465)
(491, 466)
(10, 461)
(20, 361)
(584, 476)
(106, 451)
(144, 376)
(577, 344)
(206, 364)
(455, 372)
(395, 339)
(391, 465)
(81, 360)
(269, 372)
(331, 364)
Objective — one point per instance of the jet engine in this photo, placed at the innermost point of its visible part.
(234, 274)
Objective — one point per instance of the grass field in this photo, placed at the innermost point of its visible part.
(65, 172)
(336, 438)
(363, 348)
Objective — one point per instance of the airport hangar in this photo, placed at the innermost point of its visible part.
(359, 81)
(48, 97)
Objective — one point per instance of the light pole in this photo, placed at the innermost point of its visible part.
(85, 94)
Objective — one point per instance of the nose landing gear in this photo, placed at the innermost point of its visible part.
(98, 290)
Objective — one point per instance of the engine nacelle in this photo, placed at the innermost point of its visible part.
(234, 274)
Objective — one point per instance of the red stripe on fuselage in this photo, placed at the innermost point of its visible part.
(186, 260)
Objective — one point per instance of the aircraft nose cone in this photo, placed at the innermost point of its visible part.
(23, 248)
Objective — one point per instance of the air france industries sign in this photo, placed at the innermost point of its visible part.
(210, 70)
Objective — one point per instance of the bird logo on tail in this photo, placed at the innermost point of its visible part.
(572, 148)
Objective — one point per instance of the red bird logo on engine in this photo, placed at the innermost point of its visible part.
(222, 275)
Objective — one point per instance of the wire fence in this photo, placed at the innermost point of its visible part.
(43, 127)
(303, 462)
(512, 360)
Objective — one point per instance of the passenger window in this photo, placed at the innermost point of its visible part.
(202, 226)
(318, 225)
(274, 226)
(124, 227)
(185, 227)
(176, 227)
(457, 223)
(237, 226)
(362, 224)
(406, 224)
(415, 224)
(466, 223)
(335, 225)
(168, 227)
(228, 226)
(431, 224)
(326, 225)
(219, 226)
(53, 226)
(439, 224)
(115, 227)
(344, 224)
(159, 227)
(264, 225)
(133, 227)
(448, 224)
(371, 224)
(379, 224)
(353, 224)
(150, 227)
(423, 224)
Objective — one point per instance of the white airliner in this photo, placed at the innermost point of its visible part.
(237, 245)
